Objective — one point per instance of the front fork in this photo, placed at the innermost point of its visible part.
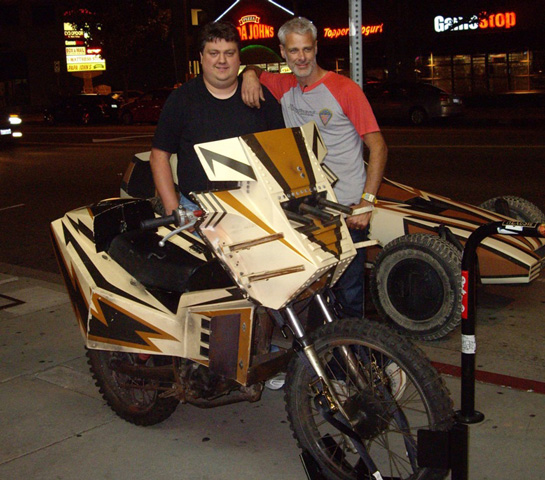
(311, 355)
(345, 425)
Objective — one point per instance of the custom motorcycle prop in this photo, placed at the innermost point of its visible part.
(419, 237)
(170, 316)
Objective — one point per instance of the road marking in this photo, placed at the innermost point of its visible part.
(467, 146)
(12, 206)
(494, 378)
(119, 139)
(82, 144)
(7, 279)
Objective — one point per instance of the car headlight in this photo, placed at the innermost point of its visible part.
(15, 120)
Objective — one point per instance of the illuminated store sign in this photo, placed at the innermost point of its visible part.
(75, 51)
(84, 59)
(79, 57)
(483, 21)
(366, 30)
(251, 28)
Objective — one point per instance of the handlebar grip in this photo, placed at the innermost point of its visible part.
(154, 223)
(335, 206)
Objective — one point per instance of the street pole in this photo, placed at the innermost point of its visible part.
(356, 53)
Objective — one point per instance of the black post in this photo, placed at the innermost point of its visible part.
(468, 414)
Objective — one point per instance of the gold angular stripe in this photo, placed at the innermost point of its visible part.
(228, 198)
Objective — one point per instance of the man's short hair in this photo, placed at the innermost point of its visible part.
(218, 31)
(300, 25)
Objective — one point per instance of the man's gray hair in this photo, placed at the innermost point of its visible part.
(299, 25)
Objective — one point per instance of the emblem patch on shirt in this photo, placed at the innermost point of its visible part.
(325, 115)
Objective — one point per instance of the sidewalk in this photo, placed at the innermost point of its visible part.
(55, 425)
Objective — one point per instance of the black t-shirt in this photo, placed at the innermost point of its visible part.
(192, 115)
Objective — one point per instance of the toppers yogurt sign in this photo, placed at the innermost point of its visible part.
(483, 21)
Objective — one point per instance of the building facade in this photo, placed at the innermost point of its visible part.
(470, 47)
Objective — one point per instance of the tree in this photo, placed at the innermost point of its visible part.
(122, 28)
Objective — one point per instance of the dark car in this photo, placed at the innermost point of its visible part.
(412, 102)
(146, 108)
(83, 109)
(125, 97)
(10, 128)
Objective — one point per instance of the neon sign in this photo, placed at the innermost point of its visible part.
(366, 30)
(249, 19)
(486, 21)
(251, 28)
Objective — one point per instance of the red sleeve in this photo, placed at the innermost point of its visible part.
(278, 83)
(354, 103)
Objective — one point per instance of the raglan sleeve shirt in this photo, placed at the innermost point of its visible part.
(343, 115)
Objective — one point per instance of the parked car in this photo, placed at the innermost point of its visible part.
(10, 128)
(83, 109)
(413, 102)
(146, 108)
(123, 97)
(415, 251)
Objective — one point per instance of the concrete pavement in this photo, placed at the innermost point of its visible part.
(55, 425)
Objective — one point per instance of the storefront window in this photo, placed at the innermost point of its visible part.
(482, 73)
(497, 73)
(537, 70)
(479, 79)
(519, 66)
(461, 73)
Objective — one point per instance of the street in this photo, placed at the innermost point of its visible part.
(56, 169)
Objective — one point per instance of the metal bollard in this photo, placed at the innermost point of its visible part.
(467, 414)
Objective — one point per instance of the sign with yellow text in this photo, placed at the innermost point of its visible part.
(79, 56)
(251, 28)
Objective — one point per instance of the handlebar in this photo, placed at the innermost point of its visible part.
(183, 219)
(179, 218)
(154, 223)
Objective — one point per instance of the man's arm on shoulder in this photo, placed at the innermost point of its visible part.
(162, 176)
(252, 91)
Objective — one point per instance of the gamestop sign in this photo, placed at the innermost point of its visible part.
(483, 21)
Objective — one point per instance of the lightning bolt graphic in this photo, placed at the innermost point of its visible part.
(229, 162)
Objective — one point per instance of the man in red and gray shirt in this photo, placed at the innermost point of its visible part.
(345, 119)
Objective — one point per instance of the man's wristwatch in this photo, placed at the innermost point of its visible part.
(369, 197)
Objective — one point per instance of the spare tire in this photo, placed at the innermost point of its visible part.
(515, 207)
(416, 285)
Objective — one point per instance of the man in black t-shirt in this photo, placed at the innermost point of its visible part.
(205, 109)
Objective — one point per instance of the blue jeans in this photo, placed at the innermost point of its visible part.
(349, 289)
(188, 204)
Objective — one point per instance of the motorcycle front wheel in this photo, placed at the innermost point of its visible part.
(136, 400)
(390, 393)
